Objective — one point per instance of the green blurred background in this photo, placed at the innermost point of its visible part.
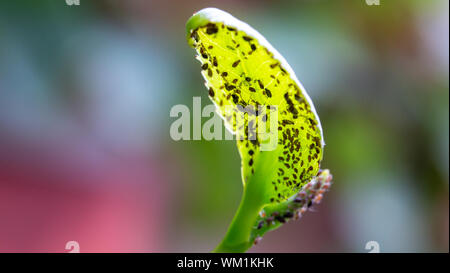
(85, 150)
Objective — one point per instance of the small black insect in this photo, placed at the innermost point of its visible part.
(211, 92)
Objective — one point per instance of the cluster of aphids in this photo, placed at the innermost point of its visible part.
(311, 193)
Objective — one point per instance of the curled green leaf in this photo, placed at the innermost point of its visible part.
(253, 87)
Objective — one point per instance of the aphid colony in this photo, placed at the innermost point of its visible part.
(293, 208)
(239, 71)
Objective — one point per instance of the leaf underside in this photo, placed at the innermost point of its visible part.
(239, 71)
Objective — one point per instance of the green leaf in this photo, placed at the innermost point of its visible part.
(243, 71)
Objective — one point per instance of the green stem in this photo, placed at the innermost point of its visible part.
(237, 238)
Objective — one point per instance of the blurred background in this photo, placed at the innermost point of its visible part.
(85, 150)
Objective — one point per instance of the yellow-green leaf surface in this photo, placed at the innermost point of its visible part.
(242, 69)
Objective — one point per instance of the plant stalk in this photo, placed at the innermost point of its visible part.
(237, 238)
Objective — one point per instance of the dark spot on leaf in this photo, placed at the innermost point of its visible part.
(211, 28)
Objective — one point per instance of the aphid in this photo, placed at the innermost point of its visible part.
(211, 29)
(318, 198)
(288, 215)
(229, 87)
(211, 92)
(260, 84)
(317, 185)
(280, 219)
(260, 225)
(303, 209)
